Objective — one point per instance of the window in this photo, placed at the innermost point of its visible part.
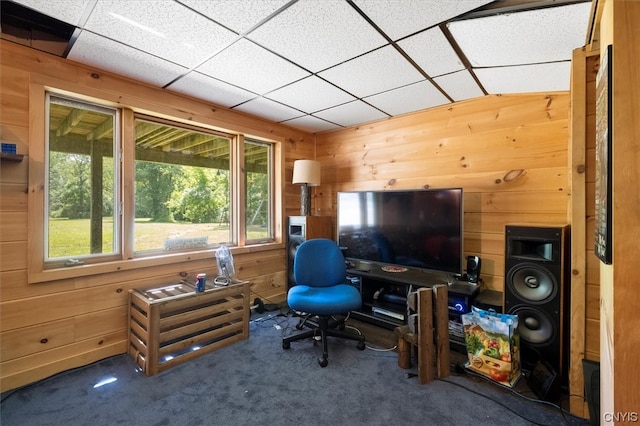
(81, 218)
(182, 187)
(258, 191)
(122, 186)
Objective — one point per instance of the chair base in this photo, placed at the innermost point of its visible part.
(326, 327)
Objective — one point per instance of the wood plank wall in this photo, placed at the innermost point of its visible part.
(508, 153)
(50, 327)
(585, 268)
(619, 296)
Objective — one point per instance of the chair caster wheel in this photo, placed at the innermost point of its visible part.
(323, 362)
(299, 326)
(361, 346)
(286, 345)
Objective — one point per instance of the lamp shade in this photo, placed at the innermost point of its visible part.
(306, 171)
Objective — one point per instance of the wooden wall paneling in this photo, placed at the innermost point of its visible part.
(456, 145)
(32, 339)
(607, 323)
(14, 196)
(15, 95)
(576, 216)
(623, 321)
(28, 369)
(14, 133)
(592, 347)
(27, 312)
(14, 255)
(13, 226)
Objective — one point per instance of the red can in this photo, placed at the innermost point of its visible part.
(201, 282)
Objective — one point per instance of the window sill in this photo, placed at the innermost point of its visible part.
(83, 270)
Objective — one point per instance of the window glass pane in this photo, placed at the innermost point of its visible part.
(81, 180)
(257, 158)
(181, 187)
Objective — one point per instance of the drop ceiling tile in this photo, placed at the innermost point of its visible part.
(269, 109)
(410, 98)
(375, 72)
(239, 16)
(69, 11)
(318, 34)
(248, 65)
(459, 85)
(211, 90)
(535, 36)
(526, 78)
(310, 124)
(100, 52)
(432, 52)
(310, 95)
(401, 18)
(351, 113)
(163, 28)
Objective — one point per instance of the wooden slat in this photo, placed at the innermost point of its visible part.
(441, 313)
(426, 349)
(577, 218)
(200, 321)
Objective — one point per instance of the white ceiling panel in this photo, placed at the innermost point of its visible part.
(459, 85)
(320, 64)
(401, 18)
(526, 78)
(271, 110)
(310, 95)
(318, 34)
(209, 89)
(432, 52)
(410, 98)
(69, 11)
(311, 124)
(100, 52)
(350, 114)
(248, 65)
(162, 27)
(529, 37)
(240, 18)
(375, 72)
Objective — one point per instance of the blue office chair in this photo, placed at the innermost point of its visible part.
(321, 292)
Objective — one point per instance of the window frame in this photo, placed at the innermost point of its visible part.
(158, 106)
(56, 262)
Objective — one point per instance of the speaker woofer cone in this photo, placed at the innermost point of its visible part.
(535, 327)
(532, 283)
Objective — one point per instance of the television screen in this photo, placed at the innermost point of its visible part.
(415, 228)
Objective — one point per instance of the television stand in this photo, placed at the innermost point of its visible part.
(384, 298)
(384, 294)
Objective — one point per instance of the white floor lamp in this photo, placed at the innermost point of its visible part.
(306, 173)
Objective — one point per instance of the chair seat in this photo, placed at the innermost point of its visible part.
(341, 298)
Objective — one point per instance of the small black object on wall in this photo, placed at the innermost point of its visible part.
(473, 269)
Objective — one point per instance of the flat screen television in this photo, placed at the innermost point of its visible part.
(420, 229)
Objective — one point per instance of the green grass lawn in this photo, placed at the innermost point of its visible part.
(71, 237)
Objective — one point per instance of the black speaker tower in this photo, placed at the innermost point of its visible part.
(537, 285)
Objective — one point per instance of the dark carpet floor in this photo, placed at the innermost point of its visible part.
(256, 382)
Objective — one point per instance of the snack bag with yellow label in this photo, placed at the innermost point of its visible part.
(493, 345)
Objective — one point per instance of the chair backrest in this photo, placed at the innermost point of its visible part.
(319, 263)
